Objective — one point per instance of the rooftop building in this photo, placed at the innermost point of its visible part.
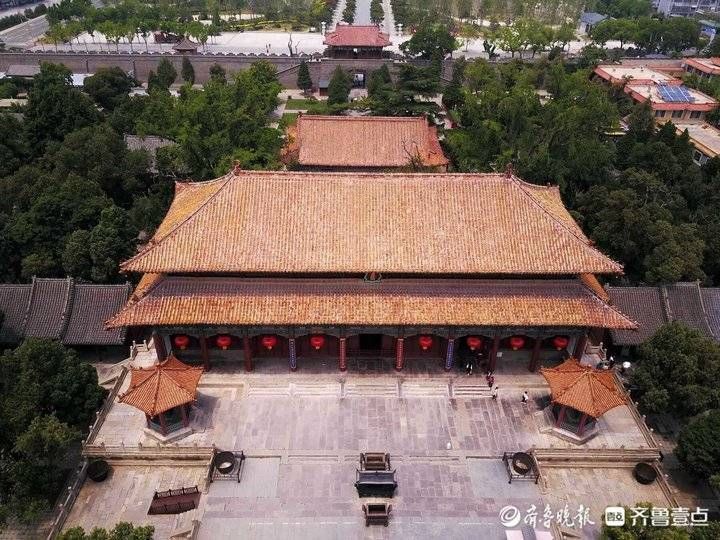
(367, 143)
(704, 137)
(353, 41)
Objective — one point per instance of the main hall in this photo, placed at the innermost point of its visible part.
(266, 267)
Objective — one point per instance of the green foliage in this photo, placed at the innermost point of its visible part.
(109, 86)
(431, 41)
(339, 87)
(623, 8)
(698, 448)
(407, 96)
(48, 396)
(55, 108)
(651, 35)
(678, 372)
(348, 14)
(121, 531)
(166, 74)
(377, 14)
(304, 81)
(217, 74)
(187, 71)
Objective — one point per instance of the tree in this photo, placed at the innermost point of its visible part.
(431, 41)
(698, 448)
(55, 108)
(121, 531)
(339, 87)
(217, 74)
(678, 372)
(109, 86)
(304, 81)
(377, 14)
(187, 71)
(166, 74)
(453, 94)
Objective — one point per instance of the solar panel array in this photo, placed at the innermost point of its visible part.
(675, 94)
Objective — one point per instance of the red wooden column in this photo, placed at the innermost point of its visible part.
(292, 354)
(204, 353)
(247, 353)
(342, 363)
(159, 346)
(493, 353)
(535, 358)
(580, 347)
(583, 421)
(399, 354)
(450, 354)
(185, 420)
(561, 416)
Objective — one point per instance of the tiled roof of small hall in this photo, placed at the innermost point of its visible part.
(284, 222)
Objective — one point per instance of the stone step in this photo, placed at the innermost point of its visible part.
(267, 390)
(371, 389)
(316, 389)
(412, 389)
(470, 390)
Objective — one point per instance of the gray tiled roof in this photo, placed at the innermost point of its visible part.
(46, 315)
(652, 307)
(61, 309)
(14, 301)
(642, 304)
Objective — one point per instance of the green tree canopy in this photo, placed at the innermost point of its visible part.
(430, 41)
(698, 448)
(109, 86)
(187, 71)
(121, 531)
(339, 87)
(304, 81)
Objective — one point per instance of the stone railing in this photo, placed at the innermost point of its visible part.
(149, 452)
(67, 499)
(103, 412)
(627, 456)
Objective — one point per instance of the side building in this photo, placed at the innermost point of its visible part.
(281, 268)
(363, 143)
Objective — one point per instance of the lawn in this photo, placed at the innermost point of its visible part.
(288, 119)
(302, 104)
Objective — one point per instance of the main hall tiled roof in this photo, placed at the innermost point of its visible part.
(61, 309)
(289, 222)
(363, 141)
(446, 302)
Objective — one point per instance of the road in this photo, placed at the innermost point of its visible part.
(362, 12)
(25, 34)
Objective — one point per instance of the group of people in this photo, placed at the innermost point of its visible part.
(489, 377)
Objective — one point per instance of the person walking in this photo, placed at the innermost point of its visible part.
(469, 366)
(525, 397)
(494, 393)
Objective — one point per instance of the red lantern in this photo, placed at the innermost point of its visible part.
(425, 342)
(516, 342)
(269, 342)
(560, 342)
(317, 341)
(474, 342)
(182, 341)
(223, 341)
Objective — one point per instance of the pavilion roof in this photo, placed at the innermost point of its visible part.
(350, 35)
(185, 44)
(291, 222)
(179, 301)
(367, 141)
(162, 387)
(583, 388)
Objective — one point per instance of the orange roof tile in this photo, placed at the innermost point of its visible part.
(162, 387)
(364, 141)
(250, 301)
(350, 35)
(585, 389)
(283, 222)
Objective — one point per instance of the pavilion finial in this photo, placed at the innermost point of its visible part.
(237, 166)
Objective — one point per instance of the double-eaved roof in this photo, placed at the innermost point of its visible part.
(424, 224)
(61, 309)
(364, 141)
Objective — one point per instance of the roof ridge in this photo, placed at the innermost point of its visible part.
(521, 184)
(153, 244)
(612, 307)
(67, 311)
(29, 306)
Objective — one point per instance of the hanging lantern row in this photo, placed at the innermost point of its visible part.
(517, 342)
(181, 341)
(223, 341)
(425, 342)
(474, 342)
(560, 342)
(268, 342)
(317, 341)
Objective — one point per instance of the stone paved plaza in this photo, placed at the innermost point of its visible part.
(302, 433)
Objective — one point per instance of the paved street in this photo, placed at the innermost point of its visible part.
(362, 12)
(25, 34)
